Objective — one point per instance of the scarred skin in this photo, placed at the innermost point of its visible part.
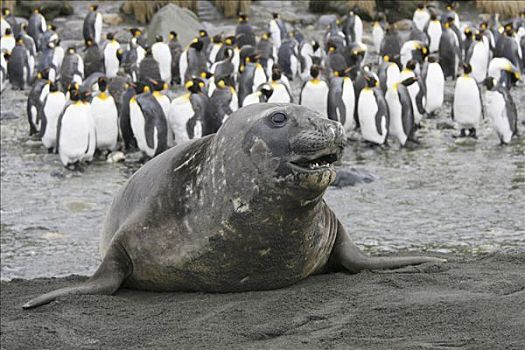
(238, 210)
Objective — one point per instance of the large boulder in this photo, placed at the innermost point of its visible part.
(172, 17)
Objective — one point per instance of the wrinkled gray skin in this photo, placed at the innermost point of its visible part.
(230, 212)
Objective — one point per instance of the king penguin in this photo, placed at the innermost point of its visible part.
(467, 107)
(175, 50)
(72, 69)
(93, 59)
(130, 142)
(416, 90)
(261, 95)
(281, 92)
(36, 26)
(434, 82)
(112, 54)
(51, 110)
(193, 60)
(18, 68)
(148, 123)
(433, 30)
(244, 32)
(164, 101)
(421, 16)
(93, 24)
(314, 93)
(36, 98)
(478, 58)
(353, 28)
(449, 52)
(341, 100)
(224, 102)
(11, 19)
(75, 131)
(278, 30)
(501, 110)
(105, 116)
(372, 110)
(402, 125)
(162, 54)
(388, 73)
(7, 42)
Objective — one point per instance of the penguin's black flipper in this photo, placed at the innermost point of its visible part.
(110, 275)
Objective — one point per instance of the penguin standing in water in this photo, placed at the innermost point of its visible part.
(162, 54)
(467, 107)
(416, 90)
(126, 132)
(360, 82)
(51, 110)
(175, 50)
(18, 68)
(341, 100)
(36, 26)
(105, 116)
(478, 58)
(244, 32)
(93, 58)
(224, 102)
(75, 132)
(501, 110)
(261, 95)
(112, 54)
(402, 125)
(372, 110)
(36, 98)
(148, 123)
(314, 93)
(281, 92)
(72, 69)
(449, 52)
(278, 30)
(434, 81)
(93, 24)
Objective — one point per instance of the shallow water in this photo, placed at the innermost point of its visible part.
(441, 196)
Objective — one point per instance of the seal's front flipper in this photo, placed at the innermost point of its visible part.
(347, 255)
(113, 270)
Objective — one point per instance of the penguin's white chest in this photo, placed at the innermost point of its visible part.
(315, 96)
(467, 103)
(280, 94)
(53, 107)
(393, 75)
(435, 83)
(367, 109)
(479, 62)
(162, 54)
(497, 113)
(138, 125)
(434, 33)
(377, 36)
(395, 110)
(105, 116)
(179, 113)
(75, 131)
(111, 61)
(259, 77)
(349, 101)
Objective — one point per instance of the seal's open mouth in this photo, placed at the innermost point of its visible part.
(315, 164)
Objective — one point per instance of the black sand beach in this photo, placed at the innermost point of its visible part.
(468, 303)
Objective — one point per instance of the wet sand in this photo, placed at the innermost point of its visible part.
(468, 303)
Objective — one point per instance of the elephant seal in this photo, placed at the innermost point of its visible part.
(239, 210)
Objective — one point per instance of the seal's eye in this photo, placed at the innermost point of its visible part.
(278, 119)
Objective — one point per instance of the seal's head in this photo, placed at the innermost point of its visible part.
(288, 150)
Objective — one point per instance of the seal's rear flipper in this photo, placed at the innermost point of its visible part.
(346, 254)
(113, 270)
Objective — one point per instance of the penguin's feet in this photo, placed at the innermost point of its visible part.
(50, 150)
(472, 133)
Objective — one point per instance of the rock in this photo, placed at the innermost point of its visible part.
(404, 24)
(308, 19)
(112, 19)
(50, 9)
(444, 125)
(115, 157)
(352, 176)
(172, 17)
(6, 115)
(325, 21)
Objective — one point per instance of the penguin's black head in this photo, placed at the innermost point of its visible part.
(148, 52)
(409, 81)
(7, 55)
(509, 29)
(275, 15)
(433, 16)
(74, 94)
(195, 85)
(421, 5)
(467, 68)
(53, 86)
(478, 36)
(266, 36)
(266, 89)
(432, 59)
(314, 71)
(19, 40)
(197, 44)
(331, 46)
(489, 83)
(71, 50)
(52, 27)
(173, 35)
(243, 17)
(276, 73)
(89, 42)
(5, 11)
(158, 85)
(370, 80)
(203, 33)
(315, 45)
(450, 20)
(483, 26)
(217, 39)
(85, 95)
(135, 32)
(102, 83)
(37, 10)
(8, 31)
(93, 7)
(411, 64)
(159, 38)
(110, 36)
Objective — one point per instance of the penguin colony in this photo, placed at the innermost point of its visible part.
(111, 95)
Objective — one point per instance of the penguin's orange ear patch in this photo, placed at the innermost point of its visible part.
(188, 84)
(201, 84)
